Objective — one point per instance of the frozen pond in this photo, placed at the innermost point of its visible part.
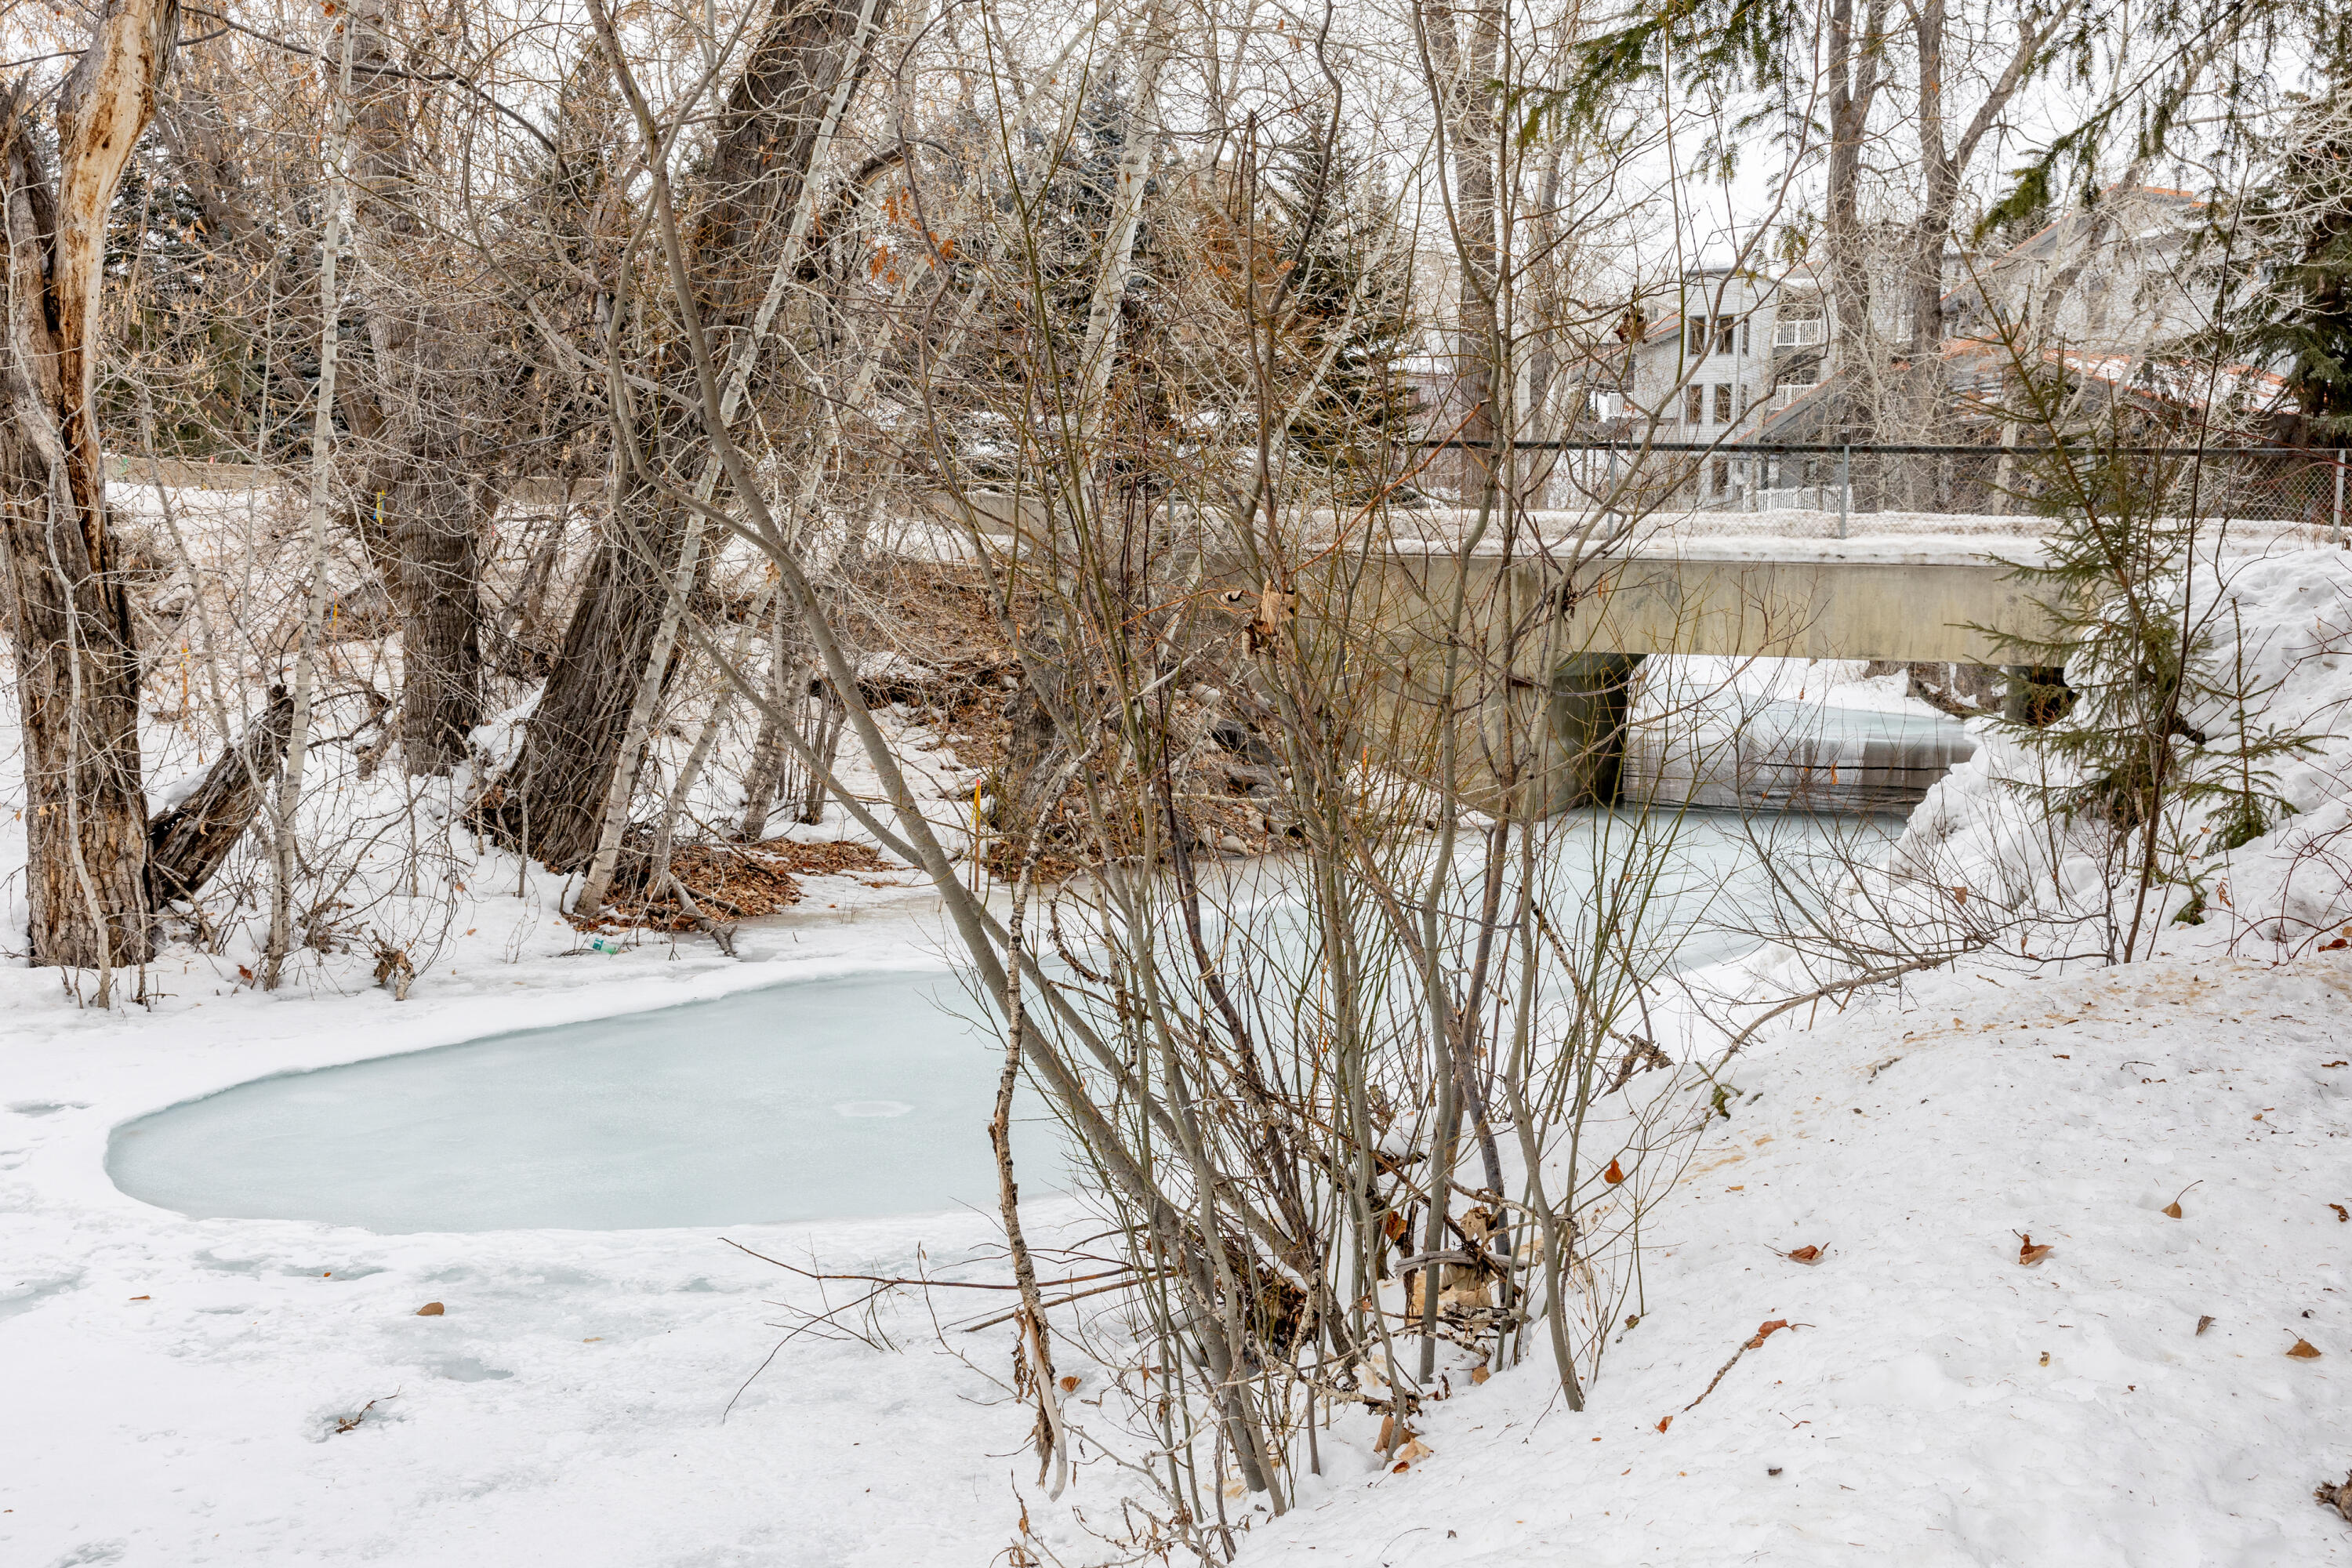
(824, 1099)
(815, 1099)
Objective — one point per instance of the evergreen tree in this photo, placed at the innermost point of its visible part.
(2299, 317)
(2160, 746)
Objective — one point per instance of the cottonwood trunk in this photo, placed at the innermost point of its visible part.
(77, 658)
(409, 392)
(766, 138)
(427, 546)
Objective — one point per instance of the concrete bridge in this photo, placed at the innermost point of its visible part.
(1546, 658)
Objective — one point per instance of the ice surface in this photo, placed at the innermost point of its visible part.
(829, 1099)
(820, 1099)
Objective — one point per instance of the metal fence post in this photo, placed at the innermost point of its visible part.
(2339, 495)
(1845, 485)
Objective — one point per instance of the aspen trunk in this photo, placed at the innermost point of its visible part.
(76, 659)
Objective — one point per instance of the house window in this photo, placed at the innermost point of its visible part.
(1727, 335)
(1743, 336)
(1722, 475)
(1722, 403)
(1694, 404)
(1695, 336)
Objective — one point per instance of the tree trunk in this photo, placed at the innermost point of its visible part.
(568, 751)
(1854, 78)
(76, 659)
(787, 693)
(432, 526)
(776, 118)
(406, 400)
(188, 844)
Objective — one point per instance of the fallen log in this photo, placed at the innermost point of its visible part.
(189, 843)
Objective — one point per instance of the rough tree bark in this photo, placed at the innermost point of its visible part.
(76, 661)
(409, 394)
(767, 138)
(186, 845)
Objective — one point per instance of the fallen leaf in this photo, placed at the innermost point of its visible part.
(2029, 1253)
(2337, 945)
(1806, 1255)
(1413, 1452)
(2342, 1213)
(1392, 1437)
(1069, 1386)
(244, 973)
(1393, 1227)
(2204, 1322)
(2348, 1064)
(592, 1339)
(2045, 1357)
(2304, 1350)
(431, 1310)
(1612, 1175)
(2172, 1209)
(1399, 1468)
(1766, 1330)
(142, 1297)
(1479, 1375)
(1664, 1422)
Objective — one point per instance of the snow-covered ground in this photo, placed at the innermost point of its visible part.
(187, 1392)
(175, 1387)
(1934, 1401)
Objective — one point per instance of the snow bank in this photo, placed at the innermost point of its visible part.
(2285, 893)
(1934, 1401)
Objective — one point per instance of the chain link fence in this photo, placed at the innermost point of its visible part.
(1998, 489)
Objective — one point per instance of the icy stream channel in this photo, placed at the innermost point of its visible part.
(815, 1099)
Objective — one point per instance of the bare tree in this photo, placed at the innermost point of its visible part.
(78, 665)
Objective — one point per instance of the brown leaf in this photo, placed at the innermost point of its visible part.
(1394, 1226)
(1391, 1435)
(1413, 1452)
(1612, 1175)
(2341, 1211)
(2204, 1322)
(431, 1310)
(244, 973)
(1664, 1422)
(1766, 1330)
(1806, 1255)
(2029, 1253)
(2172, 1209)
(2304, 1350)
(142, 1297)
(1479, 1375)
(1069, 1386)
